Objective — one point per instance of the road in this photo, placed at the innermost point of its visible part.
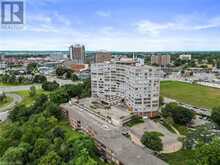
(200, 111)
(17, 88)
(5, 110)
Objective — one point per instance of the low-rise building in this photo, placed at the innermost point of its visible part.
(81, 70)
(110, 142)
(186, 57)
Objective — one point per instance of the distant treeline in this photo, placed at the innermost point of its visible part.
(114, 53)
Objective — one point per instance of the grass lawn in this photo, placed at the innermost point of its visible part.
(134, 121)
(13, 84)
(181, 128)
(197, 95)
(6, 102)
(27, 100)
(179, 158)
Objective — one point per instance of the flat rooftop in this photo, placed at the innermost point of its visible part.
(127, 152)
(116, 112)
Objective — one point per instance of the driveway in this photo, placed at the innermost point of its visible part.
(170, 140)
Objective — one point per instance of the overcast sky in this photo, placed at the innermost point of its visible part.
(120, 25)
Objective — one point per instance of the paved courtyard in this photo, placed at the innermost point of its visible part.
(169, 140)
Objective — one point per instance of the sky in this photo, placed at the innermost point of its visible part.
(117, 25)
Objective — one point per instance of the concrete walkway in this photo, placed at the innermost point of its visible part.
(170, 140)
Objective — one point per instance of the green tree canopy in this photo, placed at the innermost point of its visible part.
(215, 115)
(152, 140)
(208, 154)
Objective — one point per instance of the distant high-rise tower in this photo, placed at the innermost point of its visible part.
(102, 56)
(77, 53)
(161, 60)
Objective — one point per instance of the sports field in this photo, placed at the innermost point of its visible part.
(197, 95)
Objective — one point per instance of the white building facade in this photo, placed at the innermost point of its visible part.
(185, 57)
(136, 85)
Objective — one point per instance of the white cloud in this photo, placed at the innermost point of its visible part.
(103, 13)
(155, 28)
(58, 34)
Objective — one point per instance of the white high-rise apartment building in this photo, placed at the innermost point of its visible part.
(137, 85)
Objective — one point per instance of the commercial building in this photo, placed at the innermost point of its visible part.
(127, 81)
(161, 60)
(185, 57)
(103, 56)
(3, 65)
(81, 70)
(111, 144)
(77, 53)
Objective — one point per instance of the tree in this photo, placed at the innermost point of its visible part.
(32, 91)
(40, 147)
(5, 78)
(2, 96)
(68, 74)
(161, 100)
(218, 64)
(152, 140)
(32, 67)
(85, 159)
(50, 86)
(37, 135)
(19, 113)
(201, 135)
(53, 109)
(215, 115)
(60, 71)
(167, 110)
(14, 155)
(180, 115)
(12, 79)
(86, 88)
(3, 145)
(39, 79)
(208, 154)
(60, 96)
(51, 158)
(74, 77)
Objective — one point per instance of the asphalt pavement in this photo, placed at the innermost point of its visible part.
(17, 88)
(4, 111)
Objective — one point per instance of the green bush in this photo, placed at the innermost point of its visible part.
(152, 140)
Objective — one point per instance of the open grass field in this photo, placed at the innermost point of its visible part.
(13, 84)
(27, 100)
(197, 95)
